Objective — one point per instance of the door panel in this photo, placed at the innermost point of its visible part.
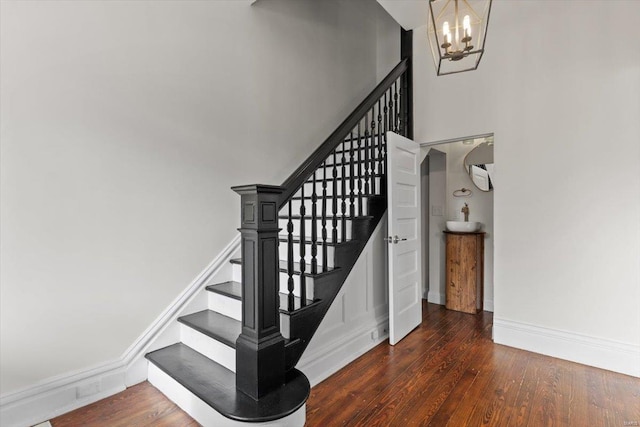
(403, 191)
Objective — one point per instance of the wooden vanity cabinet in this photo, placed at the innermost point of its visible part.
(465, 271)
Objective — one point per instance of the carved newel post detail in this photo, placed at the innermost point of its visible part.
(260, 357)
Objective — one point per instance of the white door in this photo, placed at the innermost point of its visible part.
(403, 193)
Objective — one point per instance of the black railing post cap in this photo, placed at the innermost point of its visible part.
(258, 188)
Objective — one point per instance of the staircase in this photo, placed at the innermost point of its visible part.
(235, 362)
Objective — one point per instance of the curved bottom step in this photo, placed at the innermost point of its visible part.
(207, 391)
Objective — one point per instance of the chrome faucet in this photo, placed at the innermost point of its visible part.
(465, 211)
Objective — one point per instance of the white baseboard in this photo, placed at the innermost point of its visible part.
(333, 356)
(64, 393)
(601, 353)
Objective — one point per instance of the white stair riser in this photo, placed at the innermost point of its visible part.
(236, 311)
(207, 346)
(284, 280)
(307, 227)
(347, 171)
(308, 188)
(284, 247)
(225, 305)
(361, 151)
(295, 208)
(285, 326)
(206, 415)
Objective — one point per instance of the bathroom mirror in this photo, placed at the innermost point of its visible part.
(479, 165)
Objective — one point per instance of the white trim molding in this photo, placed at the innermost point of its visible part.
(65, 393)
(320, 365)
(598, 352)
(436, 297)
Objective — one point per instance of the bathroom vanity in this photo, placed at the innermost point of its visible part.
(465, 271)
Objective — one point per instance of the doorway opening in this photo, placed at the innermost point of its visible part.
(447, 184)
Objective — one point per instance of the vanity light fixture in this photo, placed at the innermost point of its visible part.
(457, 30)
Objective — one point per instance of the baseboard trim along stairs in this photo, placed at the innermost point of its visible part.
(64, 393)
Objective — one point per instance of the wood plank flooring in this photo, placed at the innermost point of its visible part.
(140, 405)
(447, 372)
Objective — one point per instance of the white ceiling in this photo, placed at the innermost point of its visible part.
(409, 14)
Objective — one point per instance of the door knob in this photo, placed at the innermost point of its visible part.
(395, 239)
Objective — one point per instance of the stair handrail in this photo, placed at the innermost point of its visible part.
(292, 184)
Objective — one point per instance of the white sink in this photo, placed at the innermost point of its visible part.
(463, 227)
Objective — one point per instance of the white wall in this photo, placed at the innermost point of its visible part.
(560, 97)
(123, 126)
(436, 216)
(480, 208)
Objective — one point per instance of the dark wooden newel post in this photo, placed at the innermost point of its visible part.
(260, 358)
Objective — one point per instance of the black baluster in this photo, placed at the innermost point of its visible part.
(303, 247)
(290, 284)
(395, 106)
(352, 191)
(359, 175)
(390, 115)
(324, 215)
(334, 202)
(366, 155)
(402, 112)
(386, 129)
(344, 194)
(314, 227)
(381, 136)
(373, 150)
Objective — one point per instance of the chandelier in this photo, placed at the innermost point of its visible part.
(457, 30)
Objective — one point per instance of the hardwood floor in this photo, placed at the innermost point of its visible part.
(447, 372)
(140, 405)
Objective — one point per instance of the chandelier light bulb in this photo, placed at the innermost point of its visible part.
(466, 24)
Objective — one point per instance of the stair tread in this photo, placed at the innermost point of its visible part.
(296, 268)
(329, 217)
(320, 197)
(233, 289)
(215, 325)
(296, 239)
(361, 148)
(348, 162)
(216, 386)
(339, 178)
